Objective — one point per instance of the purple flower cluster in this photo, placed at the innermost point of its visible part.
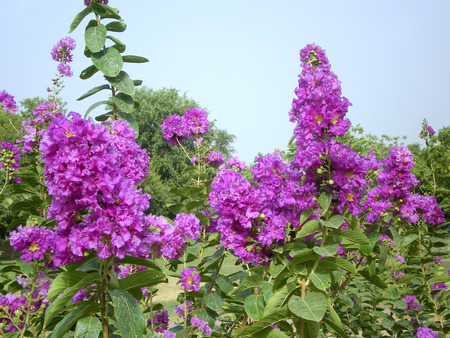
(95, 203)
(398, 275)
(426, 131)
(62, 52)
(169, 240)
(32, 241)
(160, 320)
(393, 192)
(88, 2)
(184, 309)
(411, 302)
(7, 100)
(190, 280)
(9, 159)
(425, 332)
(401, 259)
(253, 216)
(35, 128)
(196, 322)
(386, 240)
(192, 124)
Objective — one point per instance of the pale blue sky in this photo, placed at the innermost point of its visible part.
(239, 59)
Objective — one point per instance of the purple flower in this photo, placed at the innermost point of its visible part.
(235, 162)
(425, 332)
(437, 260)
(88, 2)
(32, 241)
(398, 275)
(401, 259)
(411, 302)
(386, 240)
(195, 121)
(214, 158)
(160, 320)
(190, 280)
(7, 100)
(184, 309)
(174, 130)
(65, 70)
(196, 322)
(62, 52)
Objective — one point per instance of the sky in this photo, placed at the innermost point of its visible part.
(239, 59)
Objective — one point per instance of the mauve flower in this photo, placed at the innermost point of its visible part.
(401, 259)
(195, 121)
(32, 241)
(160, 320)
(190, 279)
(425, 332)
(196, 322)
(7, 100)
(88, 2)
(184, 309)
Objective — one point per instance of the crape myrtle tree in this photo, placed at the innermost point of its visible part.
(327, 242)
(168, 163)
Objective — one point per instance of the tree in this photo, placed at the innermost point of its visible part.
(168, 162)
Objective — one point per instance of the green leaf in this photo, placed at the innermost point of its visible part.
(137, 82)
(225, 284)
(122, 82)
(95, 38)
(329, 248)
(305, 215)
(138, 261)
(93, 91)
(124, 102)
(60, 302)
(93, 106)
(409, 239)
(355, 236)
(248, 283)
(308, 229)
(176, 208)
(271, 332)
(88, 327)
(312, 307)
(320, 279)
(88, 72)
(119, 45)
(374, 279)
(311, 329)
(104, 117)
(108, 61)
(116, 26)
(335, 321)
(279, 299)
(72, 317)
(141, 279)
(214, 300)
(127, 313)
(64, 281)
(254, 306)
(134, 59)
(334, 263)
(131, 121)
(105, 11)
(98, 9)
(78, 18)
(325, 200)
(334, 222)
(439, 279)
(254, 329)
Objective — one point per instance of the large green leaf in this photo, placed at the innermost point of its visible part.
(72, 317)
(311, 329)
(93, 106)
(312, 307)
(60, 302)
(93, 91)
(328, 248)
(64, 281)
(88, 327)
(134, 59)
(248, 283)
(138, 261)
(355, 236)
(325, 200)
(88, 72)
(271, 332)
(334, 222)
(225, 284)
(122, 82)
(374, 279)
(333, 263)
(129, 317)
(108, 61)
(214, 300)
(116, 26)
(254, 306)
(124, 102)
(308, 229)
(95, 38)
(78, 18)
(119, 45)
(279, 299)
(254, 329)
(141, 279)
(320, 279)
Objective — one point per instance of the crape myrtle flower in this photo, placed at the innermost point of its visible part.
(88, 2)
(160, 319)
(35, 128)
(401, 259)
(169, 240)
(425, 332)
(398, 275)
(95, 203)
(411, 302)
(192, 124)
(8, 103)
(190, 280)
(32, 241)
(196, 322)
(214, 158)
(386, 240)
(184, 309)
(62, 52)
(9, 159)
